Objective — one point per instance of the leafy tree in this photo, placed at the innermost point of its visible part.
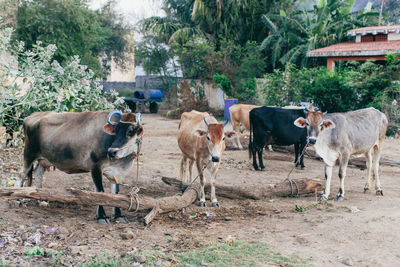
(47, 86)
(74, 29)
(296, 31)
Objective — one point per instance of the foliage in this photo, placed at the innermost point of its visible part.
(35, 251)
(296, 31)
(74, 29)
(353, 86)
(193, 58)
(44, 84)
(224, 83)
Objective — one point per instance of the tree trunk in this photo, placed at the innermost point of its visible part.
(135, 202)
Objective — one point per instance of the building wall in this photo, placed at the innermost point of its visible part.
(393, 36)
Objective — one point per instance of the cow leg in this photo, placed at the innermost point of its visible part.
(328, 176)
(38, 172)
(260, 158)
(296, 153)
(344, 160)
(368, 159)
(191, 163)
(253, 150)
(202, 184)
(376, 158)
(302, 149)
(118, 217)
(213, 170)
(101, 216)
(236, 128)
(182, 173)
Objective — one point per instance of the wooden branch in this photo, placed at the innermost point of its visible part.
(357, 162)
(165, 204)
(77, 196)
(282, 189)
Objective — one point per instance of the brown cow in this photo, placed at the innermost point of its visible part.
(202, 140)
(240, 117)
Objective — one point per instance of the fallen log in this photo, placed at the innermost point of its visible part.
(135, 202)
(286, 188)
(358, 162)
(130, 202)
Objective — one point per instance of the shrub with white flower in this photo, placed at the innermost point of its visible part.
(42, 84)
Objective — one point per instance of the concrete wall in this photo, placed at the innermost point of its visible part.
(215, 96)
(393, 36)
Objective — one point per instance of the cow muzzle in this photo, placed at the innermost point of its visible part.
(312, 140)
(215, 159)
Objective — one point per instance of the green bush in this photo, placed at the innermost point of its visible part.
(47, 86)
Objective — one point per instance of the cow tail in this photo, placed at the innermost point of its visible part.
(250, 139)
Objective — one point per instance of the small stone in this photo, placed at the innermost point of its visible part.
(53, 245)
(43, 204)
(354, 209)
(140, 258)
(127, 235)
(230, 239)
(158, 263)
(228, 218)
(347, 262)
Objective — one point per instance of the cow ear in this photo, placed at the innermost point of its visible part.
(328, 124)
(200, 133)
(229, 134)
(139, 131)
(109, 129)
(300, 122)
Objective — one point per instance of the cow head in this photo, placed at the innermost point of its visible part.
(215, 136)
(315, 123)
(128, 131)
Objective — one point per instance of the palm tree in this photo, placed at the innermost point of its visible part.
(292, 35)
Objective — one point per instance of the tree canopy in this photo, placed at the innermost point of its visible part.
(74, 29)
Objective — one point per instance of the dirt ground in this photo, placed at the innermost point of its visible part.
(361, 230)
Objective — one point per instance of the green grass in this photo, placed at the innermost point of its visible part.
(238, 253)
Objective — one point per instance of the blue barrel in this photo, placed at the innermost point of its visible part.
(155, 94)
(228, 104)
(138, 94)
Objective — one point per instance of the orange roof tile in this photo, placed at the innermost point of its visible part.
(374, 30)
(357, 49)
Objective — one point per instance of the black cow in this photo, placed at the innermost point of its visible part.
(270, 125)
(103, 143)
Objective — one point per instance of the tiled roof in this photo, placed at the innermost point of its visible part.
(357, 49)
(374, 30)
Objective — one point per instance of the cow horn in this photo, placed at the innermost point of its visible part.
(112, 113)
(325, 113)
(225, 123)
(138, 118)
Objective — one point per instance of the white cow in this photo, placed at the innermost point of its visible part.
(337, 136)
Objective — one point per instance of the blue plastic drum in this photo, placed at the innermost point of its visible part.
(228, 104)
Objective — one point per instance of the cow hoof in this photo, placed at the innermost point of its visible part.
(121, 219)
(302, 167)
(215, 204)
(379, 192)
(339, 197)
(202, 204)
(322, 198)
(262, 168)
(103, 221)
(365, 190)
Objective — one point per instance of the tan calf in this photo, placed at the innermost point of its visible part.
(202, 140)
